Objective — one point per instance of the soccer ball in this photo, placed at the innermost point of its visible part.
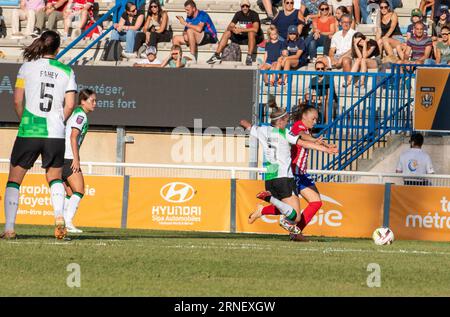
(383, 236)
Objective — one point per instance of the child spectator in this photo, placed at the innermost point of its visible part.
(176, 59)
(416, 16)
(351, 5)
(27, 11)
(274, 47)
(294, 53)
(80, 11)
(151, 60)
(338, 14)
(323, 30)
(365, 54)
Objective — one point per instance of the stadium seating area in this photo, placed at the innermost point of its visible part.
(221, 13)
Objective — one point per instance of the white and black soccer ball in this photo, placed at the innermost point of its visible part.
(383, 236)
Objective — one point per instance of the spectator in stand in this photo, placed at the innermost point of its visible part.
(52, 13)
(156, 28)
(151, 60)
(351, 5)
(293, 53)
(323, 30)
(268, 6)
(129, 24)
(320, 87)
(274, 48)
(340, 55)
(416, 16)
(244, 29)
(175, 59)
(388, 34)
(366, 55)
(198, 29)
(287, 17)
(415, 161)
(443, 47)
(443, 21)
(338, 14)
(418, 48)
(80, 11)
(435, 6)
(27, 12)
(363, 5)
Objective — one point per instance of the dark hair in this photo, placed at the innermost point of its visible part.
(302, 109)
(47, 44)
(386, 2)
(129, 5)
(190, 3)
(149, 11)
(357, 35)
(84, 95)
(277, 112)
(343, 9)
(416, 139)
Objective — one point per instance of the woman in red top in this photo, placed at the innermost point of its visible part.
(323, 29)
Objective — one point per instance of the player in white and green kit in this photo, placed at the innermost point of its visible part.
(44, 97)
(76, 128)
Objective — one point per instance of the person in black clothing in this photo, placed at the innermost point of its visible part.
(244, 29)
(129, 24)
(320, 85)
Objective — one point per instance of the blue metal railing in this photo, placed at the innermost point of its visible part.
(115, 12)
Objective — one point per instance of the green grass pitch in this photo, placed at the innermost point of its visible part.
(116, 262)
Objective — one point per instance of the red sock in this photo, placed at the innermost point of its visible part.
(309, 213)
(270, 210)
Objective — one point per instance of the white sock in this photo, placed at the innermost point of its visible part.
(11, 205)
(73, 206)
(66, 204)
(284, 208)
(57, 194)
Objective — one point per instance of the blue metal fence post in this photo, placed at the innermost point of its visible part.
(372, 112)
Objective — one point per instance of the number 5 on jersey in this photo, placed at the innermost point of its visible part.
(46, 92)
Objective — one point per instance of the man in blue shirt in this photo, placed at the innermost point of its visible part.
(198, 28)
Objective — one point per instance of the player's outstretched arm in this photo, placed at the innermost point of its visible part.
(317, 147)
(245, 124)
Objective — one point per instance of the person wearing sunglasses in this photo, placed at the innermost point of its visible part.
(435, 6)
(323, 30)
(351, 5)
(388, 34)
(156, 28)
(444, 20)
(365, 9)
(443, 47)
(129, 25)
(320, 88)
(244, 29)
(287, 17)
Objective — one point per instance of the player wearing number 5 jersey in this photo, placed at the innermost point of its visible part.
(44, 98)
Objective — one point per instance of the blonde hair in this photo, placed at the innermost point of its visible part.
(271, 29)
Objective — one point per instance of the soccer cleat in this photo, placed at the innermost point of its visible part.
(60, 228)
(255, 215)
(299, 237)
(264, 195)
(72, 229)
(214, 59)
(8, 235)
(289, 225)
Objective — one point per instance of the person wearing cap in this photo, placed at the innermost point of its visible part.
(151, 61)
(244, 29)
(415, 161)
(293, 54)
(323, 30)
(416, 16)
(287, 17)
(435, 6)
(444, 20)
(418, 48)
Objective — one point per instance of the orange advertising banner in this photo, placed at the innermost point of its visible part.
(101, 205)
(420, 213)
(179, 204)
(348, 210)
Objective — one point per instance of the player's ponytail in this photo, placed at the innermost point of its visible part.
(47, 44)
(277, 112)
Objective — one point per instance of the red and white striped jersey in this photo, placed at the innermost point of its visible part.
(299, 155)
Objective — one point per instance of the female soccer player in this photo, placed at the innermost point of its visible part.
(281, 192)
(76, 129)
(305, 119)
(46, 85)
